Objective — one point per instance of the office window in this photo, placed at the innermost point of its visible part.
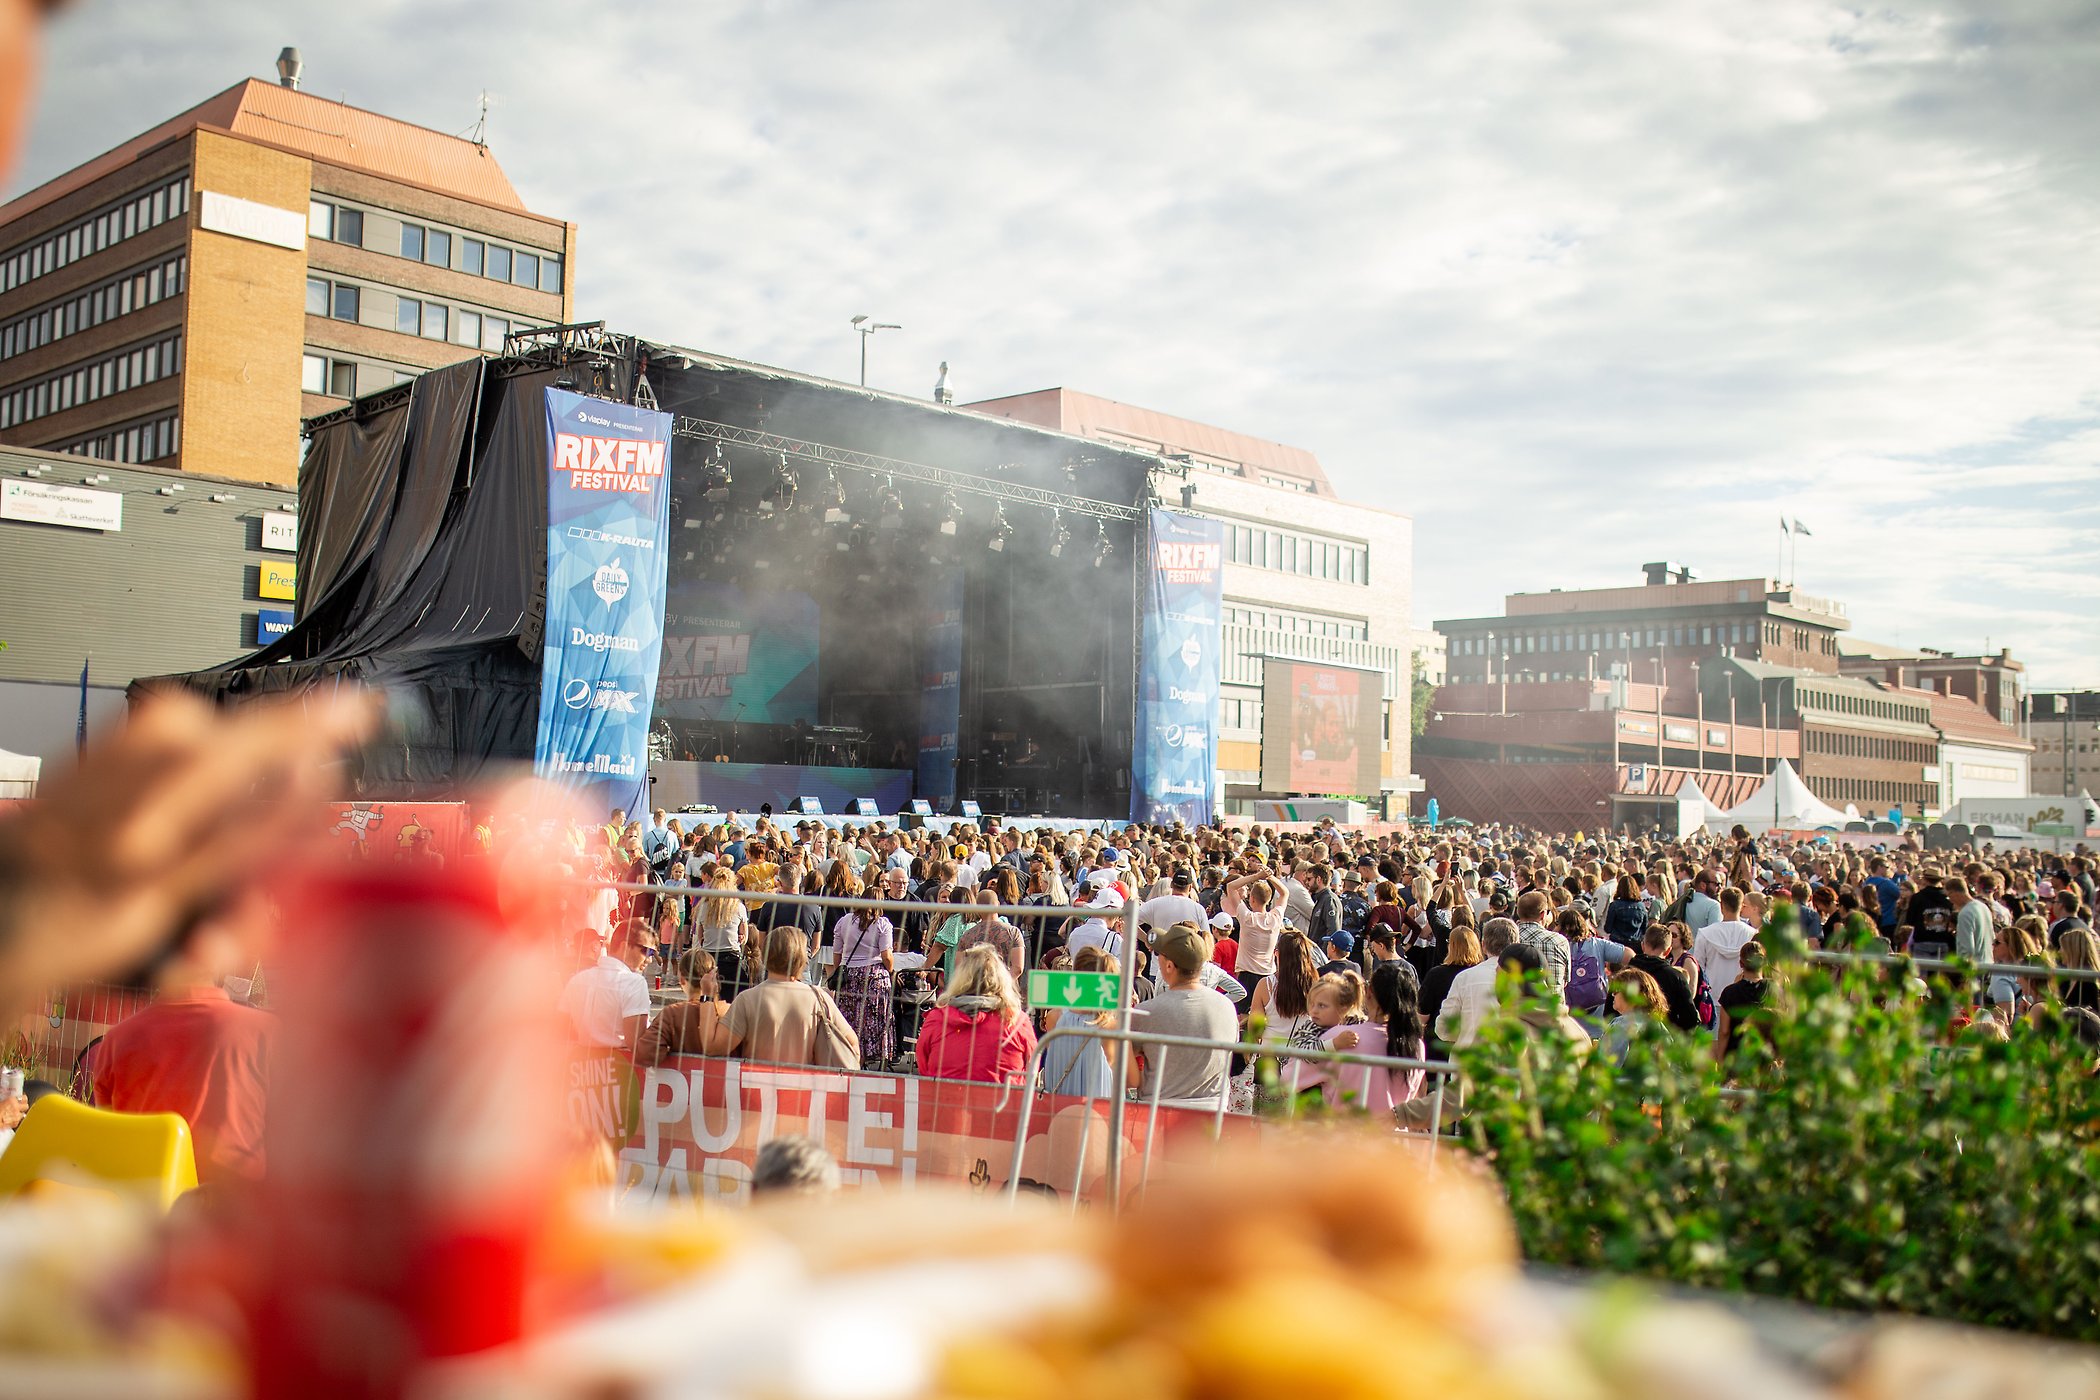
(435, 320)
(525, 270)
(342, 379)
(550, 274)
(313, 374)
(470, 250)
(408, 316)
(467, 329)
(493, 329)
(437, 248)
(350, 226)
(316, 298)
(320, 219)
(499, 263)
(412, 241)
(345, 302)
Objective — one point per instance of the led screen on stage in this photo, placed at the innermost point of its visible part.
(732, 655)
(1321, 729)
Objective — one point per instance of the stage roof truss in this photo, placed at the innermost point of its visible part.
(940, 477)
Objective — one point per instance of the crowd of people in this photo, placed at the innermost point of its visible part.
(1401, 943)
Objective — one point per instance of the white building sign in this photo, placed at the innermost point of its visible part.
(280, 530)
(47, 503)
(244, 218)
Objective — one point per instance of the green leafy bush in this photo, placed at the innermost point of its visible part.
(1868, 1156)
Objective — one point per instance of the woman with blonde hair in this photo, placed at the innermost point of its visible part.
(686, 1027)
(978, 1030)
(725, 929)
(1463, 952)
(2076, 947)
(1077, 1066)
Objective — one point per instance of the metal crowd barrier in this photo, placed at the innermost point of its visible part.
(1439, 1070)
(1126, 963)
(1981, 969)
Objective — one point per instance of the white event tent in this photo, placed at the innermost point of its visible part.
(1785, 801)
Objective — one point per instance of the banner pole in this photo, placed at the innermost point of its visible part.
(1119, 1088)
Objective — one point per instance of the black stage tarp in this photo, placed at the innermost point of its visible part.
(422, 565)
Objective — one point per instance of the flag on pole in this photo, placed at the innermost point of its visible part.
(1782, 525)
(1801, 529)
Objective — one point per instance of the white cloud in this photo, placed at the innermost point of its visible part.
(1577, 287)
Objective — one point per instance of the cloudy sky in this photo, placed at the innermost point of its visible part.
(1575, 285)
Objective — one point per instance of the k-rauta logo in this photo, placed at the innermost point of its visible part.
(610, 582)
(607, 696)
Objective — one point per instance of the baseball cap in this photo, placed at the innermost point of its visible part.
(1221, 920)
(1184, 945)
(1105, 899)
(1343, 941)
(1097, 879)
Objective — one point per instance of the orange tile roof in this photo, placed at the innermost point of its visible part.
(330, 131)
(1087, 415)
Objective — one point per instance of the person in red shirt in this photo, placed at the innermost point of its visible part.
(198, 1053)
(978, 1030)
(1225, 949)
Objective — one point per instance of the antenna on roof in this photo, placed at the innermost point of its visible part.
(478, 133)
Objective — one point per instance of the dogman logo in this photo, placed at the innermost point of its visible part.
(1192, 653)
(610, 582)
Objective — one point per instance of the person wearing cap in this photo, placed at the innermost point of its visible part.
(1176, 906)
(1179, 1076)
(1224, 947)
(1098, 929)
(1339, 946)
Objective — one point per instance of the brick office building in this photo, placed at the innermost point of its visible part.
(186, 298)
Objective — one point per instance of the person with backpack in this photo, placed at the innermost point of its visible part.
(1626, 916)
(1592, 959)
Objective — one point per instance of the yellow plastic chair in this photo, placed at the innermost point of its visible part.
(62, 1138)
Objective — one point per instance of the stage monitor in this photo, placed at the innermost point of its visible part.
(865, 807)
(971, 811)
(1322, 728)
(737, 657)
(920, 807)
(809, 806)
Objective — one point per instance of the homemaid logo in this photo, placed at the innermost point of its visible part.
(608, 464)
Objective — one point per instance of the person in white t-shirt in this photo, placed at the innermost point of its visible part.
(1099, 931)
(1718, 947)
(1176, 906)
(608, 1003)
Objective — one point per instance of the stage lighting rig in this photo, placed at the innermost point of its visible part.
(1002, 531)
(1103, 546)
(832, 496)
(1060, 534)
(951, 513)
(715, 479)
(890, 505)
(855, 538)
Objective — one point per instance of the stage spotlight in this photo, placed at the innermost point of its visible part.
(1188, 495)
(1071, 471)
(715, 479)
(833, 499)
(951, 512)
(1103, 546)
(855, 538)
(1060, 534)
(891, 506)
(1001, 530)
(779, 494)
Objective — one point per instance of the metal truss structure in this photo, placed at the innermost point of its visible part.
(938, 477)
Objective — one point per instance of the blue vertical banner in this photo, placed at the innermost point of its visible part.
(1173, 772)
(940, 683)
(608, 532)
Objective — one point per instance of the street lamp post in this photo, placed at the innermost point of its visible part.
(867, 326)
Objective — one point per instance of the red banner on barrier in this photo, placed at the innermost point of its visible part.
(401, 831)
(702, 1121)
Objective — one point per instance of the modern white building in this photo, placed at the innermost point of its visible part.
(1307, 575)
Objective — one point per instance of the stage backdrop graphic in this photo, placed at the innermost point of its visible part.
(1174, 771)
(1322, 728)
(940, 683)
(732, 655)
(608, 528)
